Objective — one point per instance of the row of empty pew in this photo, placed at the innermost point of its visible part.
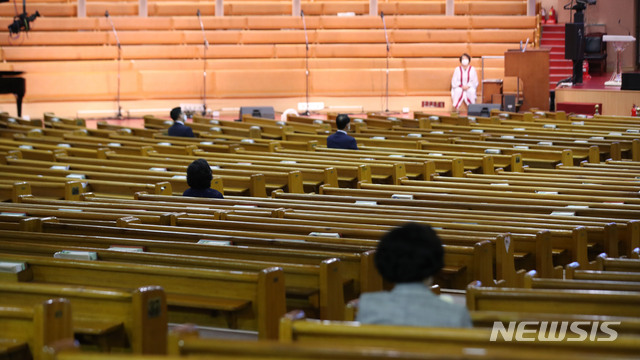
(537, 213)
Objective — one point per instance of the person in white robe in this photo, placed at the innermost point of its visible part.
(464, 83)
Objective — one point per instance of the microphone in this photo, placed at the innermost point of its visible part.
(198, 12)
(382, 14)
(302, 13)
(106, 13)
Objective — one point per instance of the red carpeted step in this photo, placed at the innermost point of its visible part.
(553, 35)
(552, 42)
(556, 55)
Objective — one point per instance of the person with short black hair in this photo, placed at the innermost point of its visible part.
(199, 178)
(340, 139)
(179, 128)
(464, 83)
(409, 256)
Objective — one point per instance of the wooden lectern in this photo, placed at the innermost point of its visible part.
(532, 67)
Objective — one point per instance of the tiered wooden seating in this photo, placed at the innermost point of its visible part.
(347, 54)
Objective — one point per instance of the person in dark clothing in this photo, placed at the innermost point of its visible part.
(179, 128)
(199, 178)
(340, 140)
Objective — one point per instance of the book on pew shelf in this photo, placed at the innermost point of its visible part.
(244, 163)
(597, 138)
(77, 176)
(633, 131)
(434, 118)
(579, 123)
(577, 206)
(414, 135)
(492, 151)
(580, 141)
(76, 255)
(364, 202)
(215, 242)
(69, 209)
(547, 192)
(563, 213)
(215, 167)
(245, 206)
(396, 155)
(521, 147)
(545, 143)
(358, 120)
(519, 129)
(179, 177)
(214, 122)
(164, 144)
(64, 145)
(541, 113)
(247, 141)
(12, 267)
(214, 129)
(288, 161)
(206, 142)
(434, 154)
(126, 130)
(158, 169)
(124, 248)
(367, 159)
(472, 118)
(615, 134)
(507, 137)
(437, 132)
(26, 147)
(168, 122)
(503, 115)
(13, 214)
(114, 144)
(378, 138)
(499, 184)
(402, 196)
(479, 131)
(324, 234)
(613, 202)
(549, 126)
(59, 167)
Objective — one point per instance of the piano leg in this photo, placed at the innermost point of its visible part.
(19, 104)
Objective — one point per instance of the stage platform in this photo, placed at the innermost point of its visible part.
(593, 91)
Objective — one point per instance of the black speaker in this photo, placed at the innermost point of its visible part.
(574, 41)
(266, 112)
(630, 81)
(483, 110)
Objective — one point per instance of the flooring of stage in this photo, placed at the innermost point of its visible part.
(593, 91)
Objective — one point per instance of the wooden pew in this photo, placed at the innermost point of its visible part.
(248, 300)
(294, 328)
(531, 281)
(573, 271)
(304, 282)
(44, 327)
(556, 301)
(140, 313)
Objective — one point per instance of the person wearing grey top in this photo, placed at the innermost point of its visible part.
(409, 256)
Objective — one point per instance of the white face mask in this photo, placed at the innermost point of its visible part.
(184, 117)
(465, 62)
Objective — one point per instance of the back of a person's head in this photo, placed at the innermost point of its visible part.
(409, 253)
(175, 113)
(199, 174)
(342, 120)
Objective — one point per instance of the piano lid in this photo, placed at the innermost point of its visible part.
(11, 73)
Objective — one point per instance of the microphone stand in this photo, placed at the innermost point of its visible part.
(115, 33)
(387, 82)
(306, 62)
(204, 67)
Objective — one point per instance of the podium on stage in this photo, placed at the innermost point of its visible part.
(532, 67)
(619, 43)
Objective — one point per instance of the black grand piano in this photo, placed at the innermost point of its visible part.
(10, 83)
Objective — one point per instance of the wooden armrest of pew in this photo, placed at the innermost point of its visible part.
(205, 302)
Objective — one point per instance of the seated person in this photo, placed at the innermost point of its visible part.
(409, 256)
(340, 140)
(464, 83)
(179, 128)
(199, 178)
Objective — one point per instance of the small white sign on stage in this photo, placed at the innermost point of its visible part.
(619, 43)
